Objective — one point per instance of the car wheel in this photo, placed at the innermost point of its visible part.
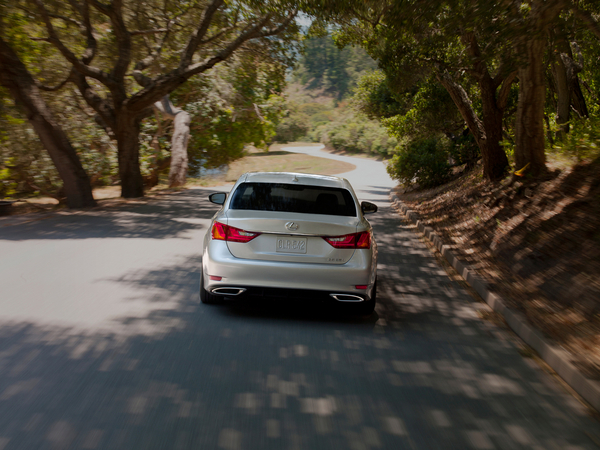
(367, 308)
(205, 296)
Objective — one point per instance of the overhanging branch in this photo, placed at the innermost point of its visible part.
(200, 32)
(79, 65)
(586, 18)
(59, 86)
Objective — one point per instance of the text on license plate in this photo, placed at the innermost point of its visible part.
(291, 245)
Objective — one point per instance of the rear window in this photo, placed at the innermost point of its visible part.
(293, 198)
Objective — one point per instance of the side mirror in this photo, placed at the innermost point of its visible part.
(368, 207)
(218, 198)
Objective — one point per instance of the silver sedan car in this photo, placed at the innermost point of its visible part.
(288, 235)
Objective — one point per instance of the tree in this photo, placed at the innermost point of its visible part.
(237, 104)
(418, 111)
(15, 77)
(412, 41)
(327, 67)
(529, 131)
(567, 60)
(206, 34)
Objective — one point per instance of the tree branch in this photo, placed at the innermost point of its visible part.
(59, 86)
(86, 30)
(123, 38)
(100, 105)
(197, 36)
(275, 31)
(505, 89)
(217, 36)
(142, 32)
(156, 89)
(141, 79)
(54, 16)
(80, 66)
(586, 18)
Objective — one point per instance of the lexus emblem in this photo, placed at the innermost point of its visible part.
(292, 226)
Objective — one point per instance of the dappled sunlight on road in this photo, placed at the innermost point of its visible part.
(424, 372)
(219, 381)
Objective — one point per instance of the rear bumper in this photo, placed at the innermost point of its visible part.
(284, 278)
(278, 294)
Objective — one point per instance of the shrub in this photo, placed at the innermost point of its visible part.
(464, 150)
(583, 139)
(357, 136)
(424, 162)
(293, 128)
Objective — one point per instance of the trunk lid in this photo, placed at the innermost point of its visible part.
(299, 242)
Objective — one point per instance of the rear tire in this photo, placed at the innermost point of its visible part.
(205, 296)
(366, 308)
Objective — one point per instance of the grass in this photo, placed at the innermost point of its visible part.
(277, 160)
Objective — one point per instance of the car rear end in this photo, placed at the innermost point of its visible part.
(283, 233)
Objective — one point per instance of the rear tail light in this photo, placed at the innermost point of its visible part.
(222, 232)
(355, 240)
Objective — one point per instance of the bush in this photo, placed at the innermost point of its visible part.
(464, 150)
(424, 162)
(583, 140)
(364, 136)
(293, 128)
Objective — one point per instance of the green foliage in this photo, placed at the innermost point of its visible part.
(355, 134)
(464, 150)
(8, 187)
(416, 111)
(333, 70)
(315, 112)
(237, 105)
(583, 140)
(374, 98)
(293, 128)
(424, 162)
(24, 165)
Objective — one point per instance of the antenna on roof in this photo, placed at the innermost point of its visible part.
(295, 178)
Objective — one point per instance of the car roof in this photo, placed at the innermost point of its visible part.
(291, 177)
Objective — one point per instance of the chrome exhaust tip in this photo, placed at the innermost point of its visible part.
(228, 291)
(347, 298)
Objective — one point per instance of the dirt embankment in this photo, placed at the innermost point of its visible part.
(537, 244)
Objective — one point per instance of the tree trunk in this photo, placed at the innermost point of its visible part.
(529, 129)
(568, 89)
(179, 143)
(493, 167)
(128, 146)
(17, 79)
(494, 158)
(563, 94)
(577, 99)
(495, 161)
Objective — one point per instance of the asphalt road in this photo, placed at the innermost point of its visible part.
(104, 345)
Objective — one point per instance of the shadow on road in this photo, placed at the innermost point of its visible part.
(424, 372)
(155, 220)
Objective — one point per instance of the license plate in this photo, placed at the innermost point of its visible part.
(291, 245)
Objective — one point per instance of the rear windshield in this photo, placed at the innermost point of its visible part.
(293, 198)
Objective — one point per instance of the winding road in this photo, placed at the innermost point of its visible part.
(104, 345)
